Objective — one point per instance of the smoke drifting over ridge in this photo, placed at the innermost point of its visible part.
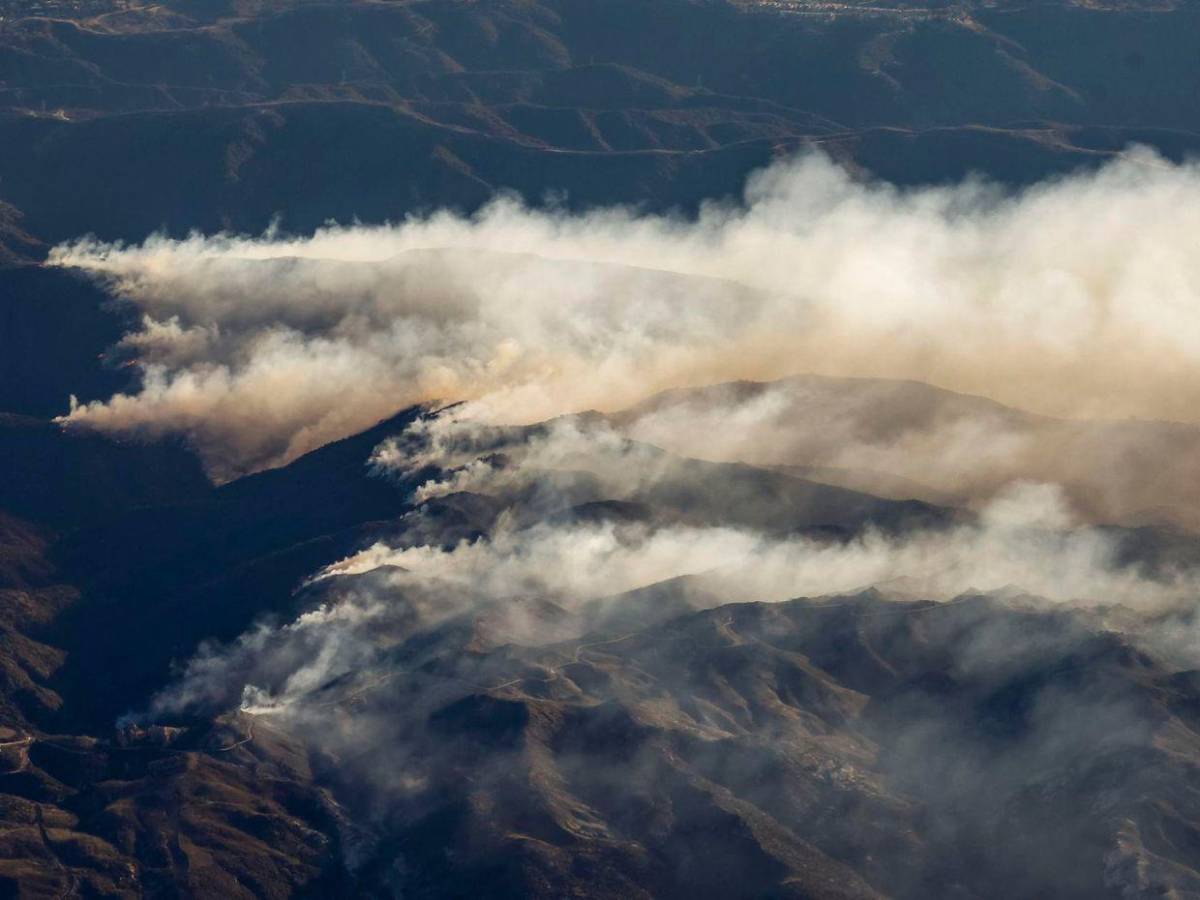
(1074, 297)
(583, 635)
(902, 439)
(542, 575)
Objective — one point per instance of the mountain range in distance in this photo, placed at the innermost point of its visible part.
(122, 119)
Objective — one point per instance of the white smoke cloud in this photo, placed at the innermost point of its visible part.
(1019, 545)
(546, 582)
(471, 456)
(1076, 296)
(1011, 549)
(908, 440)
(1026, 536)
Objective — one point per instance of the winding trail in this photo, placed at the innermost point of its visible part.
(575, 658)
(247, 739)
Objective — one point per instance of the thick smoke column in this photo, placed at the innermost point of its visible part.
(1073, 297)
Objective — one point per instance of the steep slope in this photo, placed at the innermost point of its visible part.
(135, 813)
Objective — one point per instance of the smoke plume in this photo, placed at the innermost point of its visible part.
(1075, 297)
(541, 575)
